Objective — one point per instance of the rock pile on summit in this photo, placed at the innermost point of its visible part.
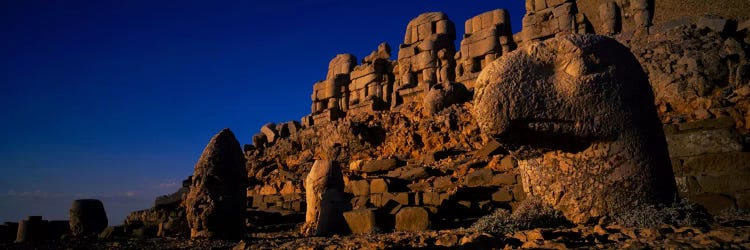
(439, 135)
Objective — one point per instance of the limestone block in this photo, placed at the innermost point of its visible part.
(714, 203)
(361, 221)
(530, 5)
(502, 195)
(482, 47)
(488, 149)
(405, 198)
(413, 173)
(379, 186)
(743, 200)
(504, 179)
(444, 27)
(432, 198)
(554, 3)
(380, 165)
(639, 5)
(468, 26)
(717, 24)
(724, 184)
(703, 142)
(412, 219)
(268, 190)
(443, 183)
(724, 163)
(608, 17)
(423, 60)
(480, 177)
(359, 187)
(540, 5)
(565, 17)
(341, 64)
(269, 129)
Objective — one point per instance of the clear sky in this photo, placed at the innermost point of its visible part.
(116, 99)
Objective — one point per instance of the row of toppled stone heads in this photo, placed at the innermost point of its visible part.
(87, 217)
(428, 58)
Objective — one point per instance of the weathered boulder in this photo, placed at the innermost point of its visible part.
(361, 221)
(379, 165)
(412, 219)
(324, 191)
(577, 113)
(215, 204)
(87, 216)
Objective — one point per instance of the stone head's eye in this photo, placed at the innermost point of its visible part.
(574, 67)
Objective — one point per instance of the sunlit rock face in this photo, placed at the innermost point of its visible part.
(577, 112)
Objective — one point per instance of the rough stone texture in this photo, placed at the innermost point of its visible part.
(87, 217)
(215, 204)
(379, 165)
(361, 221)
(577, 113)
(412, 219)
(546, 18)
(426, 57)
(324, 187)
(327, 94)
(488, 36)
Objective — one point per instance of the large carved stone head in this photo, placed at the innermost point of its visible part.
(577, 112)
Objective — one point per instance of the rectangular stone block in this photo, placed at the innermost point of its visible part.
(490, 148)
(443, 27)
(273, 199)
(424, 31)
(405, 198)
(540, 5)
(725, 163)
(468, 26)
(379, 165)
(359, 187)
(379, 186)
(726, 184)
(502, 195)
(703, 142)
(504, 179)
(361, 221)
(412, 219)
(554, 3)
(432, 199)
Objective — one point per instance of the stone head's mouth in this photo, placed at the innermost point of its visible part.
(531, 137)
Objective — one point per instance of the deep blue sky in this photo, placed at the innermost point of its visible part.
(116, 99)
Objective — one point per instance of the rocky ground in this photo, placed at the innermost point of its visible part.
(724, 233)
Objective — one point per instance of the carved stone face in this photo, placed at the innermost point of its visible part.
(559, 95)
(578, 114)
